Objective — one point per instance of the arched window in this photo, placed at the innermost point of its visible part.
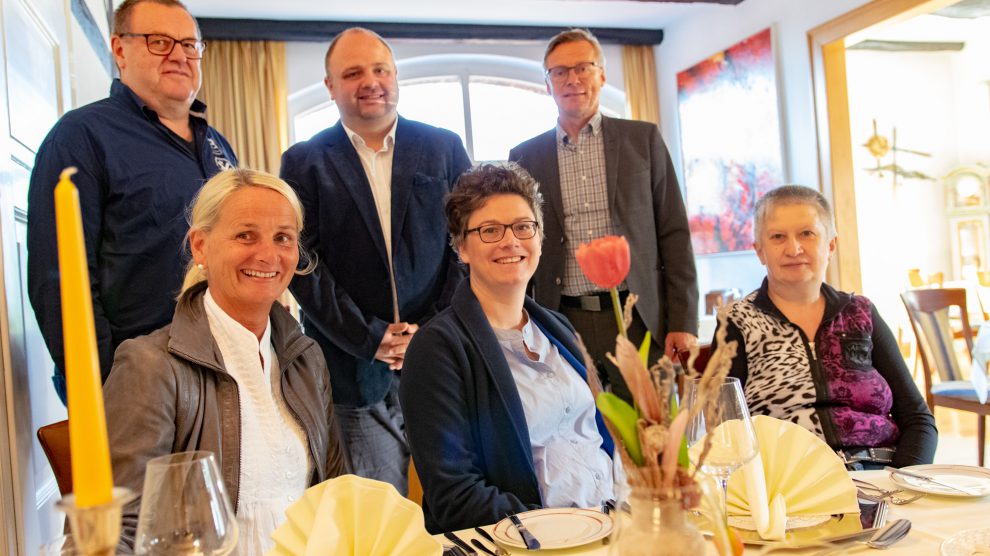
(492, 102)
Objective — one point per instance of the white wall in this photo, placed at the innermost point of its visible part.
(691, 40)
(940, 104)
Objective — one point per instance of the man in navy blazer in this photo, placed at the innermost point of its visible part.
(608, 176)
(372, 188)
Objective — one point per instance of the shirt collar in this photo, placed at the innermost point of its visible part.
(594, 124)
(244, 338)
(358, 141)
(125, 93)
(515, 339)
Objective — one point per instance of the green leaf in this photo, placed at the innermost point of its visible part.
(644, 350)
(623, 418)
(682, 452)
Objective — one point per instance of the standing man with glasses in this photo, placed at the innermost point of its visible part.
(609, 176)
(372, 187)
(141, 154)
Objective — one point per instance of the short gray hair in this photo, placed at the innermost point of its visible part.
(574, 35)
(122, 15)
(793, 195)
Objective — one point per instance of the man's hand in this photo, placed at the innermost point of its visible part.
(678, 342)
(392, 350)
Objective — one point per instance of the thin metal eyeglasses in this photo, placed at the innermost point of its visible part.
(560, 73)
(163, 45)
(491, 233)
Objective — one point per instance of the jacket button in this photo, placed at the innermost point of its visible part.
(561, 240)
(557, 280)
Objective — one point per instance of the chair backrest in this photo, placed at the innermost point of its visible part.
(704, 353)
(929, 312)
(718, 298)
(54, 439)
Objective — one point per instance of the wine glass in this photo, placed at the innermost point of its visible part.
(185, 508)
(724, 419)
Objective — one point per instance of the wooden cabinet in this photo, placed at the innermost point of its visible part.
(967, 201)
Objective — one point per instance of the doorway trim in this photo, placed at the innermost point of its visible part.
(827, 45)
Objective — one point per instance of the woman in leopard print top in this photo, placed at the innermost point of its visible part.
(820, 357)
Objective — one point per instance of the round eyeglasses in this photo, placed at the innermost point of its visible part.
(491, 233)
(163, 45)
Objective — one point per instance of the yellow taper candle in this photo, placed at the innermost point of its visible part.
(92, 478)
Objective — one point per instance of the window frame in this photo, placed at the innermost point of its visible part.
(463, 67)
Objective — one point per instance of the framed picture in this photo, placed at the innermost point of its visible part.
(730, 141)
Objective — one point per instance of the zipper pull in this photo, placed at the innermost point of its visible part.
(814, 356)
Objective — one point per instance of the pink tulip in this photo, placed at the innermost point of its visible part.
(604, 261)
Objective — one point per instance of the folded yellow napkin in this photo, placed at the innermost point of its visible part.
(353, 516)
(796, 474)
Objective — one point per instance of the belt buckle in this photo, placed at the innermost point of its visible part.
(591, 303)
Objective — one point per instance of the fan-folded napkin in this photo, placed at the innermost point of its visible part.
(353, 516)
(795, 474)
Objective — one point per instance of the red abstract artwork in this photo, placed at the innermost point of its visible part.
(730, 141)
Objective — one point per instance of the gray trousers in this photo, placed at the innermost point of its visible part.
(375, 439)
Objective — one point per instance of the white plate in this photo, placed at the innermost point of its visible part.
(966, 542)
(556, 528)
(976, 479)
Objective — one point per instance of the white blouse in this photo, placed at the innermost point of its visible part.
(275, 463)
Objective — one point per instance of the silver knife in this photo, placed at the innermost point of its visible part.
(928, 479)
(527, 537)
(499, 551)
(460, 543)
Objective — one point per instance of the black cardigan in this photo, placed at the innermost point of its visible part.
(464, 419)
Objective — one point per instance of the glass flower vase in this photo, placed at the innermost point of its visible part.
(677, 521)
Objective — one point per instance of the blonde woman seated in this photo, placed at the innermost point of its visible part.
(233, 374)
(819, 357)
(499, 415)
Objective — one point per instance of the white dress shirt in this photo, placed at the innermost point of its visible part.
(378, 168)
(275, 464)
(571, 468)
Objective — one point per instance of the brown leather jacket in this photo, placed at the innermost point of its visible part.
(169, 392)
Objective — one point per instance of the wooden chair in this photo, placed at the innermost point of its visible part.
(415, 487)
(717, 298)
(704, 352)
(54, 439)
(929, 312)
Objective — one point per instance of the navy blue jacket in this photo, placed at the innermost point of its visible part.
(347, 300)
(464, 419)
(135, 180)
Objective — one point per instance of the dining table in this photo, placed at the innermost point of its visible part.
(933, 520)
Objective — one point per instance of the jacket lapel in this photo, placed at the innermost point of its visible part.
(546, 154)
(611, 162)
(343, 159)
(405, 160)
(469, 311)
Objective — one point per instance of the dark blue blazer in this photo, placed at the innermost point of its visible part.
(464, 419)
(347, 300)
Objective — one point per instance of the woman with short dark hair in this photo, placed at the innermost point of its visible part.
(499, 415)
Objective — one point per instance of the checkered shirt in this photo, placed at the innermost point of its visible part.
(584, 197)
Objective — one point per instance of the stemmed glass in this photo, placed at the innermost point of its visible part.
(727, 423)
(185, 508)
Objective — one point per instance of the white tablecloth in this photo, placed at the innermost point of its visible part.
(933, 518)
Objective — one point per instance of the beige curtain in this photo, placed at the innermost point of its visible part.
(640, 72)
(245, 90)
